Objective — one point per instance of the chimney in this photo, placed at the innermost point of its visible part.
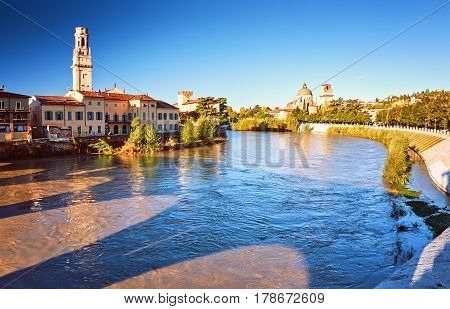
(2, 88)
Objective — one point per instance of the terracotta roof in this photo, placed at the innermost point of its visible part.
(116, 96)
(106, 95)
(4, 94)
(56, 100)
(143, 97)
(191, 101)
(161, 104)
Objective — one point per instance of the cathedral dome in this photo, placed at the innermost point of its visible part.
(304, 90)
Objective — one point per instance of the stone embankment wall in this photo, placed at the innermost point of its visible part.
(436, 158)
(429, 270)
(25, 150)
(45, 148)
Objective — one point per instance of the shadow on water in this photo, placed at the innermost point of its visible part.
(221, 207)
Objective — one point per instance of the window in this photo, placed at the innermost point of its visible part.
(159, 116)
(144, 116)
(2, 105)
(170, 116)
(153, 116)
(165, 127)
(159, 127)
(176, 116)
(107, 117)
(18, 128)
(165, 116)
(124, 117)
(48, 115)
(99, 115)
(59, 115)
(145, 105)
(153, 105)
(176, 127)
(90, 130)
(99, 103)
(79, 130)
(18, 105)
(79, 116)
(171, 127)
(116, 117)
(99, 129)
(130, 117)
(124, 129)
(90, 115)
(90, 103)
(69, 116)
(135, 115)
(4, 129)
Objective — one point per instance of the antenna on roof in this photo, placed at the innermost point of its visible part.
(124, 90)
(115, 86)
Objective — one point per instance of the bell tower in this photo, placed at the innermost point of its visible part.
(82, 61)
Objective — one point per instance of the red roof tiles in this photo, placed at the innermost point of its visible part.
(4, 94)
(57, 100)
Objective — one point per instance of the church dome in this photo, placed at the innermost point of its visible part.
(304, 90)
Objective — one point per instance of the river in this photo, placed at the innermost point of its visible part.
(263, 210)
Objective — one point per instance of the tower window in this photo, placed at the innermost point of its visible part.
(82, 42)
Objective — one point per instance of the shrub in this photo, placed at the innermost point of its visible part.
(143, 138)
(171, 142)
(102, 147)
(188, 133)
(205, 129)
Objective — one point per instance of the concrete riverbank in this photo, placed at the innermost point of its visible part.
(427, 270)
(436, 158)
(430, 268)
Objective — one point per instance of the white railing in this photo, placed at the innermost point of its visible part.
(437, 132)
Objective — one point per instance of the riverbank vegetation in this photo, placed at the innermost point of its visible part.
(398, 163)
(201, 131)
(425, 109)
(144, 139)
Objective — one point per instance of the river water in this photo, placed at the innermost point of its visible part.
(263, 210)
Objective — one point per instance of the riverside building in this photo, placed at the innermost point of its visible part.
(84, 112)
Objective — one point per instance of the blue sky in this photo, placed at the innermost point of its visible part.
(252, 52)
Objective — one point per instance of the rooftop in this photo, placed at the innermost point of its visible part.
(57, 100)
(5, 94)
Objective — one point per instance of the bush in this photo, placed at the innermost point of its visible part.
(205, 129)
(143, 139)
(171, 142)
(188, 133)
(102, 147)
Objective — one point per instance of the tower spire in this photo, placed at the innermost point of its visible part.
(82, 61)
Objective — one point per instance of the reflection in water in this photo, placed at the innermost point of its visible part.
(261, 210)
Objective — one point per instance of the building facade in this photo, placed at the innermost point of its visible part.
(326, 95)
(14, 116)
(187, 104)
(57, 115)
(304, 100)
(83, 112)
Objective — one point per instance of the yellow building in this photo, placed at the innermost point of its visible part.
(58, 115)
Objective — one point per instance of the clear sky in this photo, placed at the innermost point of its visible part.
(252, 52)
